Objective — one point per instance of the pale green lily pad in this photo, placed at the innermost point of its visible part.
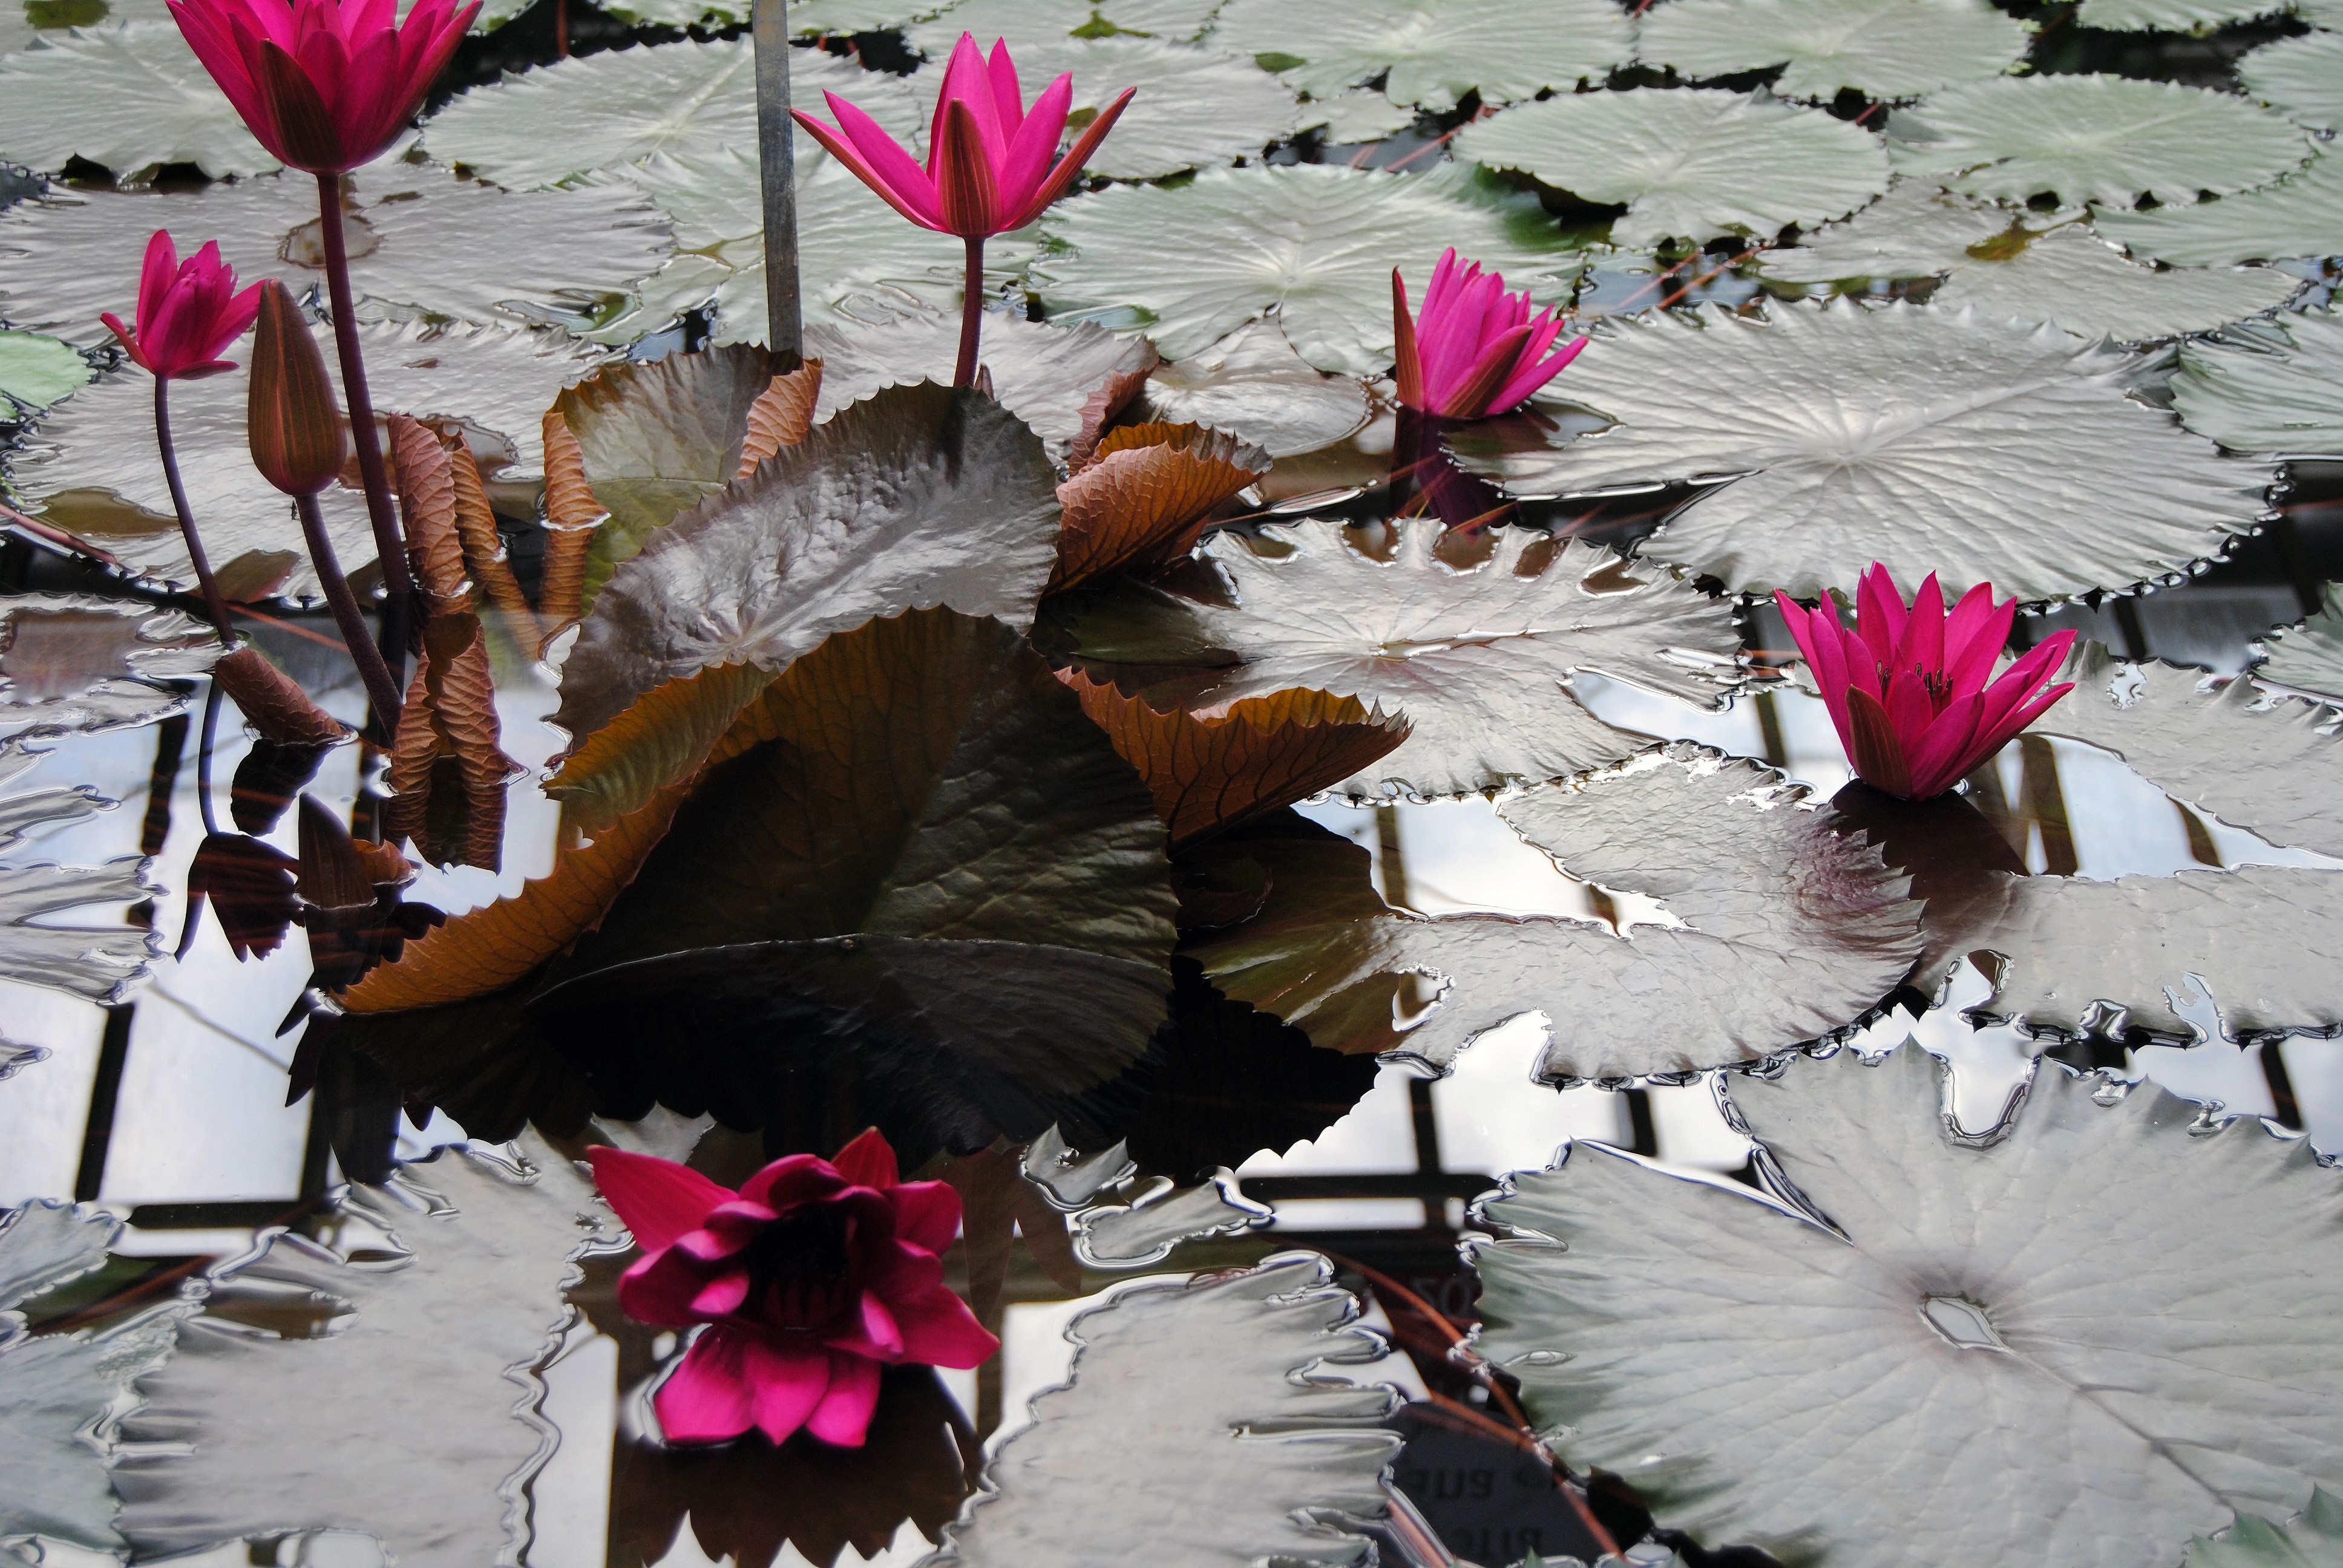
(1315, 244)
(2312, 1539)
(2024, 267)
(1942, 1376)
(2105, 140)
(690, 100)
(2301, 215)
(1193, 107)
(78, 663)
(1881, 48)
(858, 260)
(2323, 14)
(37, 371)
(2309, 657)
(1173, 21)
(1018, 22)
(2301, 76)
(1435, 51)
(2172, 16)
(1252, 384)
(1362, 114)
(1689, 163)
(130, 97)
(2272, 387)
(1928, 439)
(830, 16)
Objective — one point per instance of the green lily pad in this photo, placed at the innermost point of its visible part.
(2309, 657)
(1314, 243)
(1928, 439)
(1435, 51)
(2269, 387)
(1880, 48)
(2099, 139)
(833, 16)
(79, 663)
(130, 97)
(2172, 16)
(2301, 215)
(1883, 1360)
(614, 110)
(1689, 163)
(1252, 384)
(1362, 114)
(37, 371)
(2301, 76)
(2312, 1539)
(1018, 22)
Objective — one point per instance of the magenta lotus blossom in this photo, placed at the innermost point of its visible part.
(811, 1277)
(989, 167)
(188, 312)
(1912, 690)
(325, 85)
(1475, 350)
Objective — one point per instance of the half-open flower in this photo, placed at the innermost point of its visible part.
(1911, 690)
(1475, 350)
(813, 1276)
(188, 312)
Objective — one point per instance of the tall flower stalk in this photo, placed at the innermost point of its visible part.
(989, 167)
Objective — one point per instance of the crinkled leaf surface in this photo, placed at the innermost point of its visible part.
(1478, 660)
(128, 96)
(1237, 1388)
(80, 662)
(2171, 16)
(1361, 115)
(1689, 163)
(1252, 385)
(1153, 1225)
(1881, 48)
(2269, 387)
(1435, 51)
(2312, 1539)
(1314, 244)
(2092, 138)
(435, 1343)
(690, 99)
(1023, 23)
(1789, 930)
(2309, 657)
(920, 496)
(37, 371)
(1929, 440)
(100, 963)
(94, 464)
(1963, 1377)
(852, 15)
(2302, 215)
(2302, 77)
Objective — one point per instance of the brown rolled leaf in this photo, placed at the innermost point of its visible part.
(781, 415)
(666, 737)
(448, 771)
(267, 780)
(250, 885)
(427, 502)
(1144, 495)
(1106, 401)
(571, 516)
(483, 547)
(273, 701)
(1209, 773)
(335, 870)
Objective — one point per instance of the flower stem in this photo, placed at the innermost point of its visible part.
(382, 691)
(390, 546)
(971, 313)
(215, 604)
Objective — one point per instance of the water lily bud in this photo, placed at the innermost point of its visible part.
(292, 421)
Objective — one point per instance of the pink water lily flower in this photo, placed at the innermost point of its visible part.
(1475, 350)
(1912, 689)
(811, 1277)
(326, 84)
(188, 312)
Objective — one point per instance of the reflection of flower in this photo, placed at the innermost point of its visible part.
(1474, 349)
(189, 311)
(324, 84)
(1911, 691)
(811, 1276)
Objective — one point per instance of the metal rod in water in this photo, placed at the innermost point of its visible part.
(777, 163)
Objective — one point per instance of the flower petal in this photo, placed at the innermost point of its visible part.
(792, 1179)
(869, 1160)
(659, 1200)
(1877, 754)
(843, 1417)
(927, 1214)
(939, 1330)
(790, 1376)
(708, 1397)
(663, 1290)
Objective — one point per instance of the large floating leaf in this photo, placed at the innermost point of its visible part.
(1435, 51)
(2303, 77)
(858, 260)
(2270, 765)
(79, 662)
(2102, 139)
(434, 1343)
(1314, 244)
(690, 99)
(1260, 1445)
(2270, 388)
(100, 963)
(95, 467)
(37, 371)
(2314, 1538)
(2024, 267)
(1880, 48)
(1928, 439)
(1790, 930)
(1478, 660)
(422, 244)
(1953, 1375)
(2302, 215)
(918, 498)
(2309, 657)
(2171, 16)
(128, 96)
(1252, 385)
